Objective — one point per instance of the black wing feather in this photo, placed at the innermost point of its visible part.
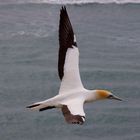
(66, 39)
(70, 118)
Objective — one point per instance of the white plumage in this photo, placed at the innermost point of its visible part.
(71, 79)
(72, 95)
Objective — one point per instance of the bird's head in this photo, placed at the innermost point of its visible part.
(104, 94)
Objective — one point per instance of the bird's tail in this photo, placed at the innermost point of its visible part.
(54, 102)
(41, 106)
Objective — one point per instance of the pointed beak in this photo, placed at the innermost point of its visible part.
(116, 98)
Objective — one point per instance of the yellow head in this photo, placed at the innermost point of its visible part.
(104, 94)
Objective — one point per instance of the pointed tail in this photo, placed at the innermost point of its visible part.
(40, 106)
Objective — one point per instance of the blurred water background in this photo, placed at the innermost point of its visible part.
(108, 36)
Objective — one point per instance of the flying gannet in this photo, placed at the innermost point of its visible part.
(72, 94)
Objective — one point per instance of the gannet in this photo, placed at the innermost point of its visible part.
(72, 94)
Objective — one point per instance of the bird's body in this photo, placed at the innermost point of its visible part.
(72, 95)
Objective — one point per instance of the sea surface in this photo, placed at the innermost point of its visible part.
(108, 36)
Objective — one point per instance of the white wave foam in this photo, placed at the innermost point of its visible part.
(82, 1)
(73, 1)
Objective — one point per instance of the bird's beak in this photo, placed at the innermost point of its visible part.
(116, 98)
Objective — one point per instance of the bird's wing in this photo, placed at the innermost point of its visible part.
(74, 112)
(68, 61)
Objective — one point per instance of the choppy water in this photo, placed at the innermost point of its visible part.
(109, 41)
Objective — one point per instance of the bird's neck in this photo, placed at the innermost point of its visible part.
(91, 96)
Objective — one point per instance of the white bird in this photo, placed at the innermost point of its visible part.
(72, 94)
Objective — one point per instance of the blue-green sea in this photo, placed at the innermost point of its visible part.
(108, 37)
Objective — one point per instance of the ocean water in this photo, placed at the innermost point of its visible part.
(108, 36)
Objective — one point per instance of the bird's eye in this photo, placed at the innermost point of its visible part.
(110, 96)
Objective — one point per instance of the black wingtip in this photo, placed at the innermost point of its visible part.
(63, 9)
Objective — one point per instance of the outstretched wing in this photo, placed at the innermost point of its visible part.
(73, 112)
(68, 62)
